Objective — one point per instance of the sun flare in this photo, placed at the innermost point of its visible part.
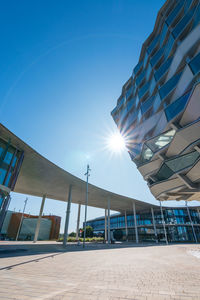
(116, 143)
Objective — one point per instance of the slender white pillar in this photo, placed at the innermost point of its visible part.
(109, 240)
(126, 227)
(106, 229)
(163, 222)
(39, 219)
(67, 216)
(154, 224)
(135, 223)
(192, 225)
(78, 222)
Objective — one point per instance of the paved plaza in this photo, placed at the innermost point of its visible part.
(100, 272)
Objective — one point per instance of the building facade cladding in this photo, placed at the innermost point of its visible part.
(177, 223)
(158, 111)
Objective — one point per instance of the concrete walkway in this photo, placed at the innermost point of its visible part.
(47, 271)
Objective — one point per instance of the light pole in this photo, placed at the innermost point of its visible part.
(20, 224)
(86, 202)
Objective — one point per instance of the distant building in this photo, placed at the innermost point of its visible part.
(49, 226)
(158, 110)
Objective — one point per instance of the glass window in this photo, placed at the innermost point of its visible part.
(145, 59)
(2, 175)
(163, 34)
(173, 109)
(137, 67)
(8, 179)
(156, 103)
(149, 69)
(169, 85)
(183, 161)
(176, 165)
(161, 141)
(129, 92)
(169, 46)
(174, 13)
(183, 22)
(140, 77)
(195, 64)
(143, 90)
(147, 105)
(155, 59)
(153, 44)
(163, 69)
(146, 153)
(152, 85)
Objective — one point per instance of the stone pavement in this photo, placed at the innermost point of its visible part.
(100, 272)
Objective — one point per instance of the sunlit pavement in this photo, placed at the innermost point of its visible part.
(123, 271)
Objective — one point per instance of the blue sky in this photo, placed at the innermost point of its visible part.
(63, 64)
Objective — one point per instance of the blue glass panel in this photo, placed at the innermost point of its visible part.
(8, 157)
(169, 85)
(153, 44)
(176, 107)
(140, 77)
(157, 56)
(130, 104)
(163, 69)
(145, 59)
(129, 92)
(183, 22)
(156, 103)
(174, 13)
(137, 67)
(169, 46)
(143, 90)
(195, 64)
(196, 16)
(152, 85)
(2, 175)
(187, 4)
(8, 179)
(149, 69)
(163, 34)
(14, 161)
(147, 105)
(120, 103)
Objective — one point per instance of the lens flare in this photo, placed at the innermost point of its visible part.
(116, 143)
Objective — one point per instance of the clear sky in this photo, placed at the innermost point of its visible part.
(63, 64)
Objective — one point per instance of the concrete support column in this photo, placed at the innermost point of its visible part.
(109, 240)
(39, 219)
(163, 221)
(106, 229)
(67, 216)
(135, 223)
(78, 222)
(192, 225)
(126, 226)
(154, 224)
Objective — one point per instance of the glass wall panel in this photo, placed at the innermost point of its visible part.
(153, 44)
(174, 13)
(195, 64)
(163, 69)
(137, 67)
(169, 85)
(173, 109)
(143, 90)
(163, 34)
(183, 22)
(161, 141)
(155, 59)
(147, 104)
(140, 77)
(183, 161)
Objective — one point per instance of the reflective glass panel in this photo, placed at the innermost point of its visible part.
(2, 175)
(147, 104)
(137, 67)
(163, 34)
(140, 77)
(183, 161)
(163, 69)
(157, 56)
(173, 109)
(146, 153)
(161, 141)
(143, 90)
(174, 13)
(153, 44)
(169, 85)
(182, 24)
(195, 64)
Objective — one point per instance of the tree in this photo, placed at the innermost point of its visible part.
(72, 234)
(89, 231)
(118, 234)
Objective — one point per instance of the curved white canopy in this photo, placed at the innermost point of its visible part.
(38, 176)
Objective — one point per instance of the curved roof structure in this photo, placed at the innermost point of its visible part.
(38, 176)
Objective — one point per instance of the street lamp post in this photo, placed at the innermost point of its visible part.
(86, 202)
(20, 224)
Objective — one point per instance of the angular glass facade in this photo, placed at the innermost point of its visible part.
(164, 81)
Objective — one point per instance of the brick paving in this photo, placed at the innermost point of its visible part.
(99, 272)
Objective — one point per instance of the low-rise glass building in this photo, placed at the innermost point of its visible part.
(181, 224)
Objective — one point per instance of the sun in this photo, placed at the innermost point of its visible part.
(116, 143)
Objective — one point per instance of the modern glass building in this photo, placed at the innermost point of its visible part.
(10, 161)
(181, 225)
(158, 111)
